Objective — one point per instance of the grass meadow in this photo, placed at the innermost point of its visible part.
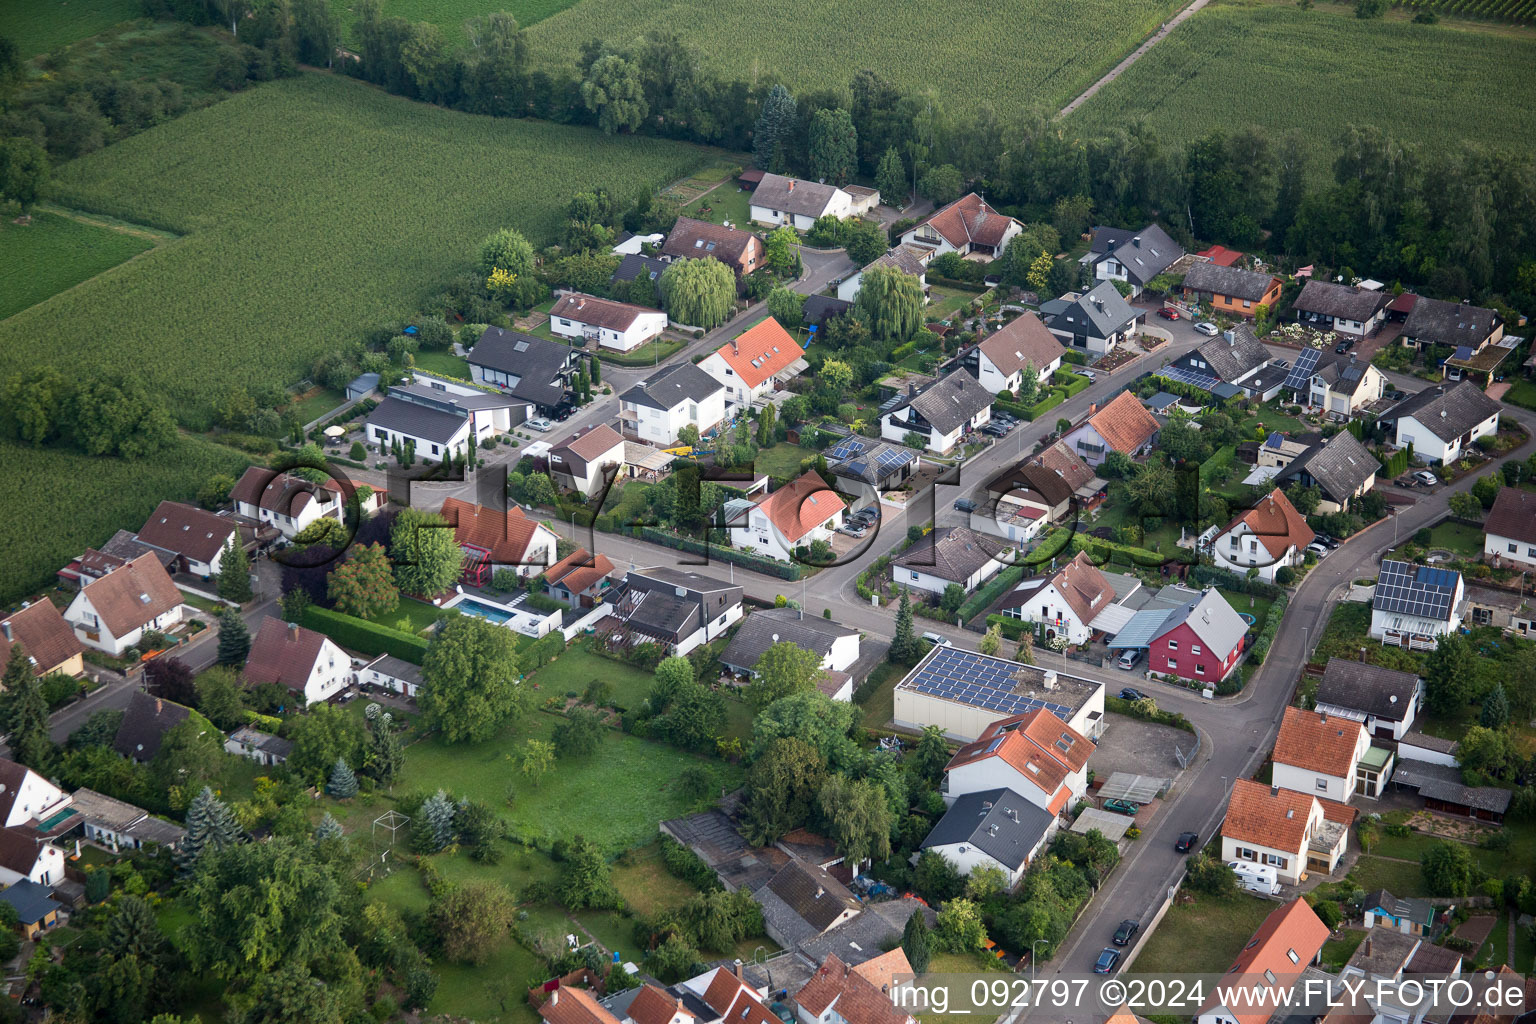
(53, 253)
(1235, 64)
(41, 26)
(308, 208)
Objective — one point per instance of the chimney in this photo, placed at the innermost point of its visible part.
(1049, 681)
(820, 892)
(738, 968)
(791, 184)
(1136, 241)
(554, 997)
(1367, 943)
(1274, 791)
(1324, 715)
(293, 632)
(5, 627)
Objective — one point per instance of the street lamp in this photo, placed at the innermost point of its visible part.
(1034, 960)
(1223, 785)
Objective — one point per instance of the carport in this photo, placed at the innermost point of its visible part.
(1141, 629)
(1112, 825)
(1138, 789)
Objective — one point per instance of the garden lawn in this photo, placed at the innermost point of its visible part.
(946, 301)
(1202, 937)
(1239, 603)
(1336, 952)
(727, 201)
(880, 706)
(578, 667)
(444, 362)
(646, 885)
(40, 26)
(53, 253)
(782, 460)
(316, 404)
(1273, 64)
(413, 616)
(1404, 879)
(495, 990)
(1522, 393)
(1462, 541)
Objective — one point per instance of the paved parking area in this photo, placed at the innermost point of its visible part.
(1142, 748)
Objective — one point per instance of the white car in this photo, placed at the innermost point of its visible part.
(1426, 478)
(540, 424)
(937, 640)
(1320, 550)
(1207, 328)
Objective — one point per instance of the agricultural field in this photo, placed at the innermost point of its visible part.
(53, 253)
(450, 15)
(1510, 11)
(1006, 53)
(290, 246)
(1254, 62)
(56, 503)
(41, 26)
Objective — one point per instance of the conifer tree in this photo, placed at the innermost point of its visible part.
(30, 743)
(210, 826)
(343, 784)
(328, 829)
(234, 638)
(904, 646)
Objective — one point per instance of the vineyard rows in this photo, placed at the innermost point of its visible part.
(1520, 12)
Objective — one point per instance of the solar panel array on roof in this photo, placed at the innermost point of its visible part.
(1299, 379)
(1418, 590)
(1184, 375)
(1274, 440)
(979, 681)
(892, 457)
(847, 447)
(1463, 351)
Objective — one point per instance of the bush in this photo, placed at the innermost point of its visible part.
(1266, 637)
(361, 635)
(684, 864)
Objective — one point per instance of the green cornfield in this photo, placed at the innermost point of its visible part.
(307, 209)
(54, 253)
(1518, 12)
(1233, 65)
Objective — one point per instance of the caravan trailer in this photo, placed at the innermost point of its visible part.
(1259, 878)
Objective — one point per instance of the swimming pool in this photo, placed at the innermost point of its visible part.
(469, 606)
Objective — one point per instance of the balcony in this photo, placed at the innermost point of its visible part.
(1412, 641)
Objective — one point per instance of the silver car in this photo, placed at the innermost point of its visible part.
(1207, 328)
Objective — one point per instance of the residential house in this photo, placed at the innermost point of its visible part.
(638, 266)
(437, 423)
(146, 720)
(1385, 700)
(46, 639)
(803, 511)
(117, 825)
(659, 407)
(1200, 640)
(691, 239)
(723, 996)
(1267, 537)
(655, 1005)
(536, 371)
(286, 502)
(27, 803)
(1036, 755)
(1453, 325)
(111, 613)
(802, 901)
(1290, 939)
(262, 747)
(1352, 311)
(999, 361)
(579, 579)
(1381, 909)
(868, 468)
(1237, 358)
(1293, 832)
(1342, 385)
(781, 200)
(568, 1004)
(911, 260)
(1501, 609)
(120, 549)
(1095, 322)
(494, 539)
(967, 226)
(1046, 488)
(818, 309)
(36, 909)
(1443, 421)
(1135, 258)
(1509, 532)
(1414, 605)
(950, 555)
(198, 537)
(616, 325)
(941, 413)
(1066, 602)
(308, 663)
(965, 694)
(837, 644)
(755, 362)
(674, 607)
(583, 461)
(839, 993)
(630, 244)
(1325, 756)
(390, 673)
(1342, 469)
(993, 828)
(1229, 290)
(1122, 425)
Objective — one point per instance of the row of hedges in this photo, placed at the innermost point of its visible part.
(362, 635)
(1053, 398)
(874, 572)
(1266, 636)
(1074, 384)
(1125, 554)
(1013, 629)
(983, 598)
(901, 352)
(1133, 709)
(1210, 576)
(768, 566)
(1075, 357)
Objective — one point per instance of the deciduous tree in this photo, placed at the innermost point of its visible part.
(473, 681)
(235, 573)
(1448, 675)
(584, 878)
(537, 760)
(427, 557)
(782, 786)
(858, 816)
(613, 91)
(580, 733)
(824, 724)
(506, 249)
(364, 585)
(784, 668)
(699, 293)
(785, 306)
(471, 920)
(890, 302)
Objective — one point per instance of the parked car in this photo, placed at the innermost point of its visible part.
(1131, 693)
(1325, 540)
(994, 430)
(1186, 841)
(1426, 478)
(1345, 345)
(1317, 549)
(1393, 395)
(1168, 314)
(1126, 932)
(1207, 328)
(937, 640)
(1129, 658)
(852, 530)
(541, 424)
(1122, 807)
(965, 505)
(1106, 961)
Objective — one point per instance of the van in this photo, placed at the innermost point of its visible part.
(1129, 657)
(1259, 878)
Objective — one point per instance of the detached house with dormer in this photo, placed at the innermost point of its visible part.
(1135, 257)
(1347, 310)
(617, 325)
(753, 364)
(659, 407)
(1290, 831)
(1287, 943)
(942, 413)
(692, 239)
(1122, 425)
(1066, 602)
(308, 663)
(198, 537)
(801, 512)
(999, 361)
(967, 226)
(1442, 422)
(284, 501)
(1230, 290)
(1341, 468)
(1454, 325)
(44, 637)
(111, 613)
(1414, 605)
(1035, 755)
(1267, 537)
(1095, 322)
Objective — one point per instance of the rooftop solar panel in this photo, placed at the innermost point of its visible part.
(981, 682)
(1184, 375)
(847, 447)
(1274, 440)
(1422, 591)
(1301, 373)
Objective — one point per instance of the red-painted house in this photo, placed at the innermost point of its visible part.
(1200, 641)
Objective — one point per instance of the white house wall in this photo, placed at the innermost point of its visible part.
(1301, 780)
(967, 858)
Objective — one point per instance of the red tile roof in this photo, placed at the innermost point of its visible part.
(589, 309)
(579, 570)
(801, 505)
(1267, 816)
(1221, 255)
(1313, 741)
(574, 1006)
(654, 1006)
(1291, 930)
(1024, 340)
(130, 596)
(283, 653)
(1124, 423)
(1037, 744)
(858, 999)
(187, 530)
(760, 352)
(506, 537)
(1083, 586)
(735, 1001)
(43, 635)
(1276, 524)
(969, 220)
(695, 239)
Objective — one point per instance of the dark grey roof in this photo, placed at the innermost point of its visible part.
(1442, 782)
(1212, 619)
(948, 403)
(1102, 308)
(1400, 906)
(635, 264)
(1371, 689)
(952, 553)
(126, 545)
(435, 396)
(364, 383)
(263, 740)
(1421, 590)
(1339, 301)
(661, 614)
(402, 417)
(684, 382)
(33, 902)
(792, 195)
(812, 893)
(1235, 354)
(1447, 412)
(1232, 282)
(998, 822)
(662, 577)
(761, 630)
(1106, 240)
(821, 308)
(540, 364)
(145, 722)
(1342, 374)
(1147, 253)
(1421, 739)
(1449, 323)
(1338, 467)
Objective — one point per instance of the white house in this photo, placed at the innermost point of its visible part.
(967, 226)
(262, 747)
(677, 608)
(442, 419)
(948, 555)
(1293, 832)
(1320, 754)
(1267, 537)
(1133, 257)
(198, 537)
(659, 407)
(390, 673)
(615, 325)
(909, 259)
(584, 461)
(1442, 422)
(1095, 322)
(1036, 755)
(1352, 311)
(1290, 940)
(942, 413)
(992, 828)
(1066, 602)
(1414, 605)
(999, 360)
(26, 800)
(308, 663)
(801, 512)
(286, 502)
(866, 993)
(1123, 425)
(838, 645)
(112, 612)
(781, 200)
(1509, 532)
(492, 538)
(754, 363)
(534, 371)
(1384, 700)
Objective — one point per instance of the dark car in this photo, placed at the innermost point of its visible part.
(965, 505)
(1344, 346)
(1325, 540)
(1108, 957)
(1393, 395)
(1168, 314)
(1131, 693)
(1186, 842)
(1126, 932)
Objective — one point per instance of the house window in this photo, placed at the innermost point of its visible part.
(1243, 853)
(1514, 549)
(1247, 304)
(1173, 645)
(1200, 669)
(1322, 784)
(914, 575)
(434, 449)
(1195, 649)
(1530, 552)
(1278, 861)
(1172, 663)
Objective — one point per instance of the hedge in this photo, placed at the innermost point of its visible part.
(1053, 398)
(1260, 649)
(1074, 357)
(265, 723)
(1013, 629)
(981, 599)
(1072, 383)
(1109, 551)
(365, 636)
(783, 570)
(1161, 717)
(1209, 576)
(901, 352)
